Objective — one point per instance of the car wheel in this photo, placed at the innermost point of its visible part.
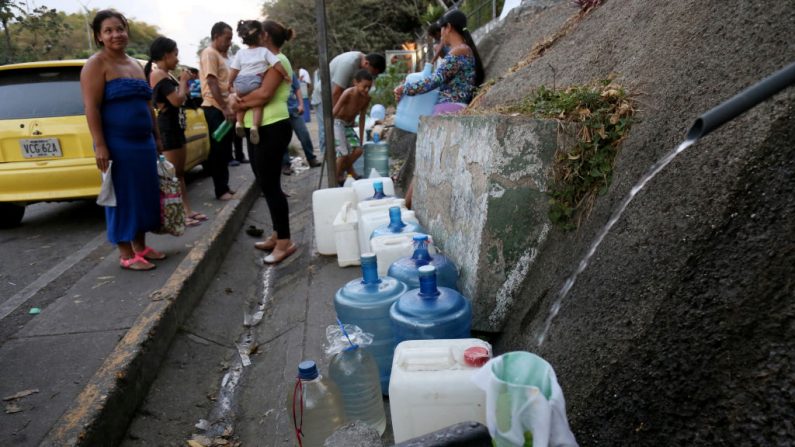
(11, 214)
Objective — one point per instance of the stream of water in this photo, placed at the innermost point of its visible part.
(650, 173)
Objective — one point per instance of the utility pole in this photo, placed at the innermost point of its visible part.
(325, 81)
(89, 39)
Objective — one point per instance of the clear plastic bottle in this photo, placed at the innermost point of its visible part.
(316, 403)
(356, 373)
(165, 168)
(365, 302)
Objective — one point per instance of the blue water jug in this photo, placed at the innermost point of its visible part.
(430, 312)
(410, 108)
(365, 302)
(396, 225)
(407, 269)
(378, 191)
(376, 156)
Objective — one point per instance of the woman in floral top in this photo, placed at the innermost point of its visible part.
(459, 73)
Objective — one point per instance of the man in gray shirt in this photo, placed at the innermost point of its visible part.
(342, 68)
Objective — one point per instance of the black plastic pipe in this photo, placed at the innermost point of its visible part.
(742, 101)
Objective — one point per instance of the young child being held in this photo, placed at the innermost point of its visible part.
(248, 68)
(353, 101)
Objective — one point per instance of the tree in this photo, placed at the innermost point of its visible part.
(364, 25)
(44, 28)
(9, 11)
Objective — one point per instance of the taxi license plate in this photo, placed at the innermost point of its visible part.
(41, 148)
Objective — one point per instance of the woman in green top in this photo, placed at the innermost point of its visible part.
(275, 133)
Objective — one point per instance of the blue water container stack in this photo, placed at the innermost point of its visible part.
(365, 302)
(396, 225)
(407, 269)
(410, 108)
(430, 312)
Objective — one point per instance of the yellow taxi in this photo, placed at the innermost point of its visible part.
(46, 150)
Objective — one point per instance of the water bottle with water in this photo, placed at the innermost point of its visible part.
(365, 302)
(314, 405)
(354, 370)
(407, 269)
(430, 312)
(396, 225)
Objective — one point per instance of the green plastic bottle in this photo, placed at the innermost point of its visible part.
(222, 130)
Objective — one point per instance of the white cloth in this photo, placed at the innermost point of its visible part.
(253, 61)
(517, 385)
(303, 76)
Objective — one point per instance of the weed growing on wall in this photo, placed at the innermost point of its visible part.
(602, 113)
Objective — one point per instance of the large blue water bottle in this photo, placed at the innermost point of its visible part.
(410, 108)
(365, 302)
(407, 269)
(376, 156)
(430, 312)
(396, 225)
(378, 191)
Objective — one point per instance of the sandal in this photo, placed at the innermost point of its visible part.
(150, 254)
(267, 245)
(137, 262)
(195, 215)
(270, 259)
(191, 222)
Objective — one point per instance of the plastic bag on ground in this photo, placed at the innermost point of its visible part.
(524, 402)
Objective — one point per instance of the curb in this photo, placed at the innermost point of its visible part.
(99, 415)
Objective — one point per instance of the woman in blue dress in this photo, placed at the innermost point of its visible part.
(121, 119)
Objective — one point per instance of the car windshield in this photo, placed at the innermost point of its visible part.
(40, 93)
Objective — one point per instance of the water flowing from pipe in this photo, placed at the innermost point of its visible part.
(650, 173)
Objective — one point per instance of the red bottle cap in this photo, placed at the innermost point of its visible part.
(476, 356)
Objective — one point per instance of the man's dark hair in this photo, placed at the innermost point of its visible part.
(434, 30)
(218, 29)
(376, 61)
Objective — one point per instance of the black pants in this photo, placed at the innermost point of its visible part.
(220, 151)
(238, 143)
(266, 161)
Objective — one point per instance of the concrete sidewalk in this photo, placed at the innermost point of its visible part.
(84, 363)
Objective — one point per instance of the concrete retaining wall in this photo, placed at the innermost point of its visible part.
(480, 188)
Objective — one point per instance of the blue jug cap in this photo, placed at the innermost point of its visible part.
(307, 370)
(420, 237)
(427, 270)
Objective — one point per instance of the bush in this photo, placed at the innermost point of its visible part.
(385, 85)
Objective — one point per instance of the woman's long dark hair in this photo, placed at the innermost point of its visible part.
(277, 32)
(458, 20)
(103, 15)
(157, 51)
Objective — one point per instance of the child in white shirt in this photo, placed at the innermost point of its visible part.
(248, 68)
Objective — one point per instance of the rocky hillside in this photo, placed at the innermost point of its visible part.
(682, 329)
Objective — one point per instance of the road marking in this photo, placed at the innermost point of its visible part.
(33, 288)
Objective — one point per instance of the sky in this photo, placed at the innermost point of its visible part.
(185, 21)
